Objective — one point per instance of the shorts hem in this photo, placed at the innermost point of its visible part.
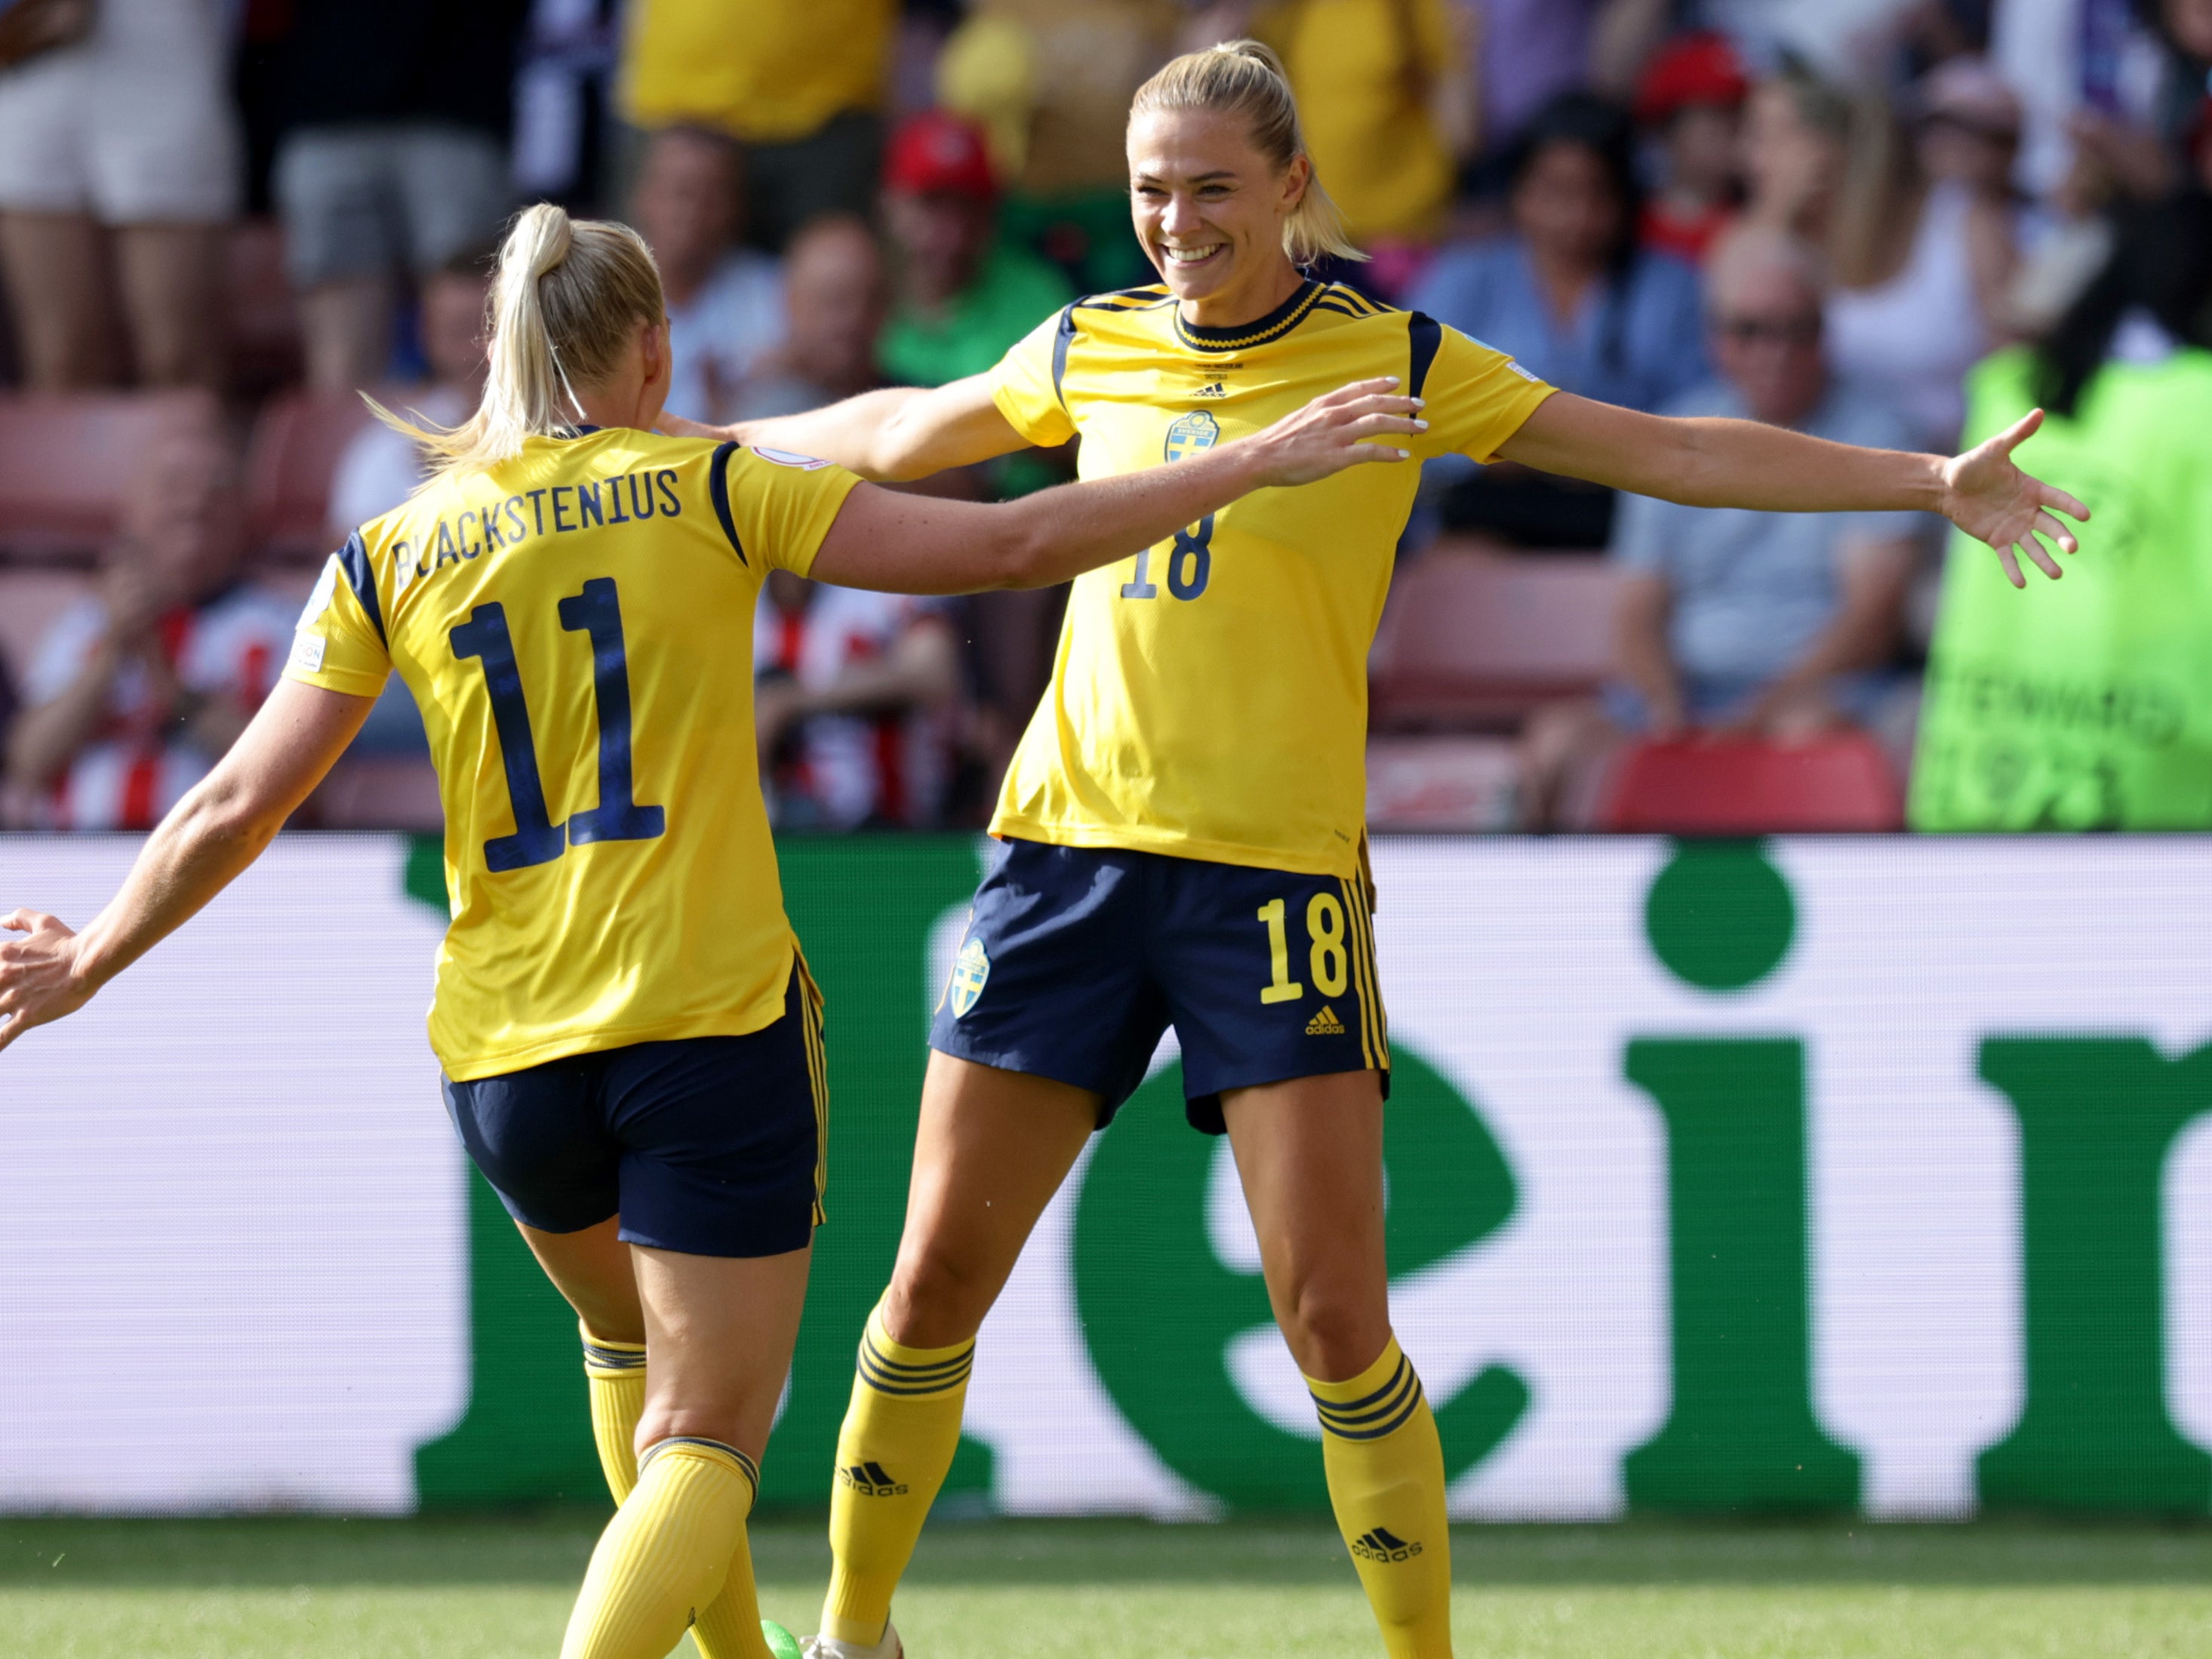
(1022, 1067)
(722, 1250)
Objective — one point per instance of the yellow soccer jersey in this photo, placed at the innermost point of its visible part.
(576, 626)
(1209, 697)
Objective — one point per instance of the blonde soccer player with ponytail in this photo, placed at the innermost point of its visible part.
(632, 1047)
(1181, 835)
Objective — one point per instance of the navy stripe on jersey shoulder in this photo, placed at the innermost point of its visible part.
(353, 559)
(1424, 334)
(1061, 339)
(1340, 310)
(1374, 307)
(718, 486)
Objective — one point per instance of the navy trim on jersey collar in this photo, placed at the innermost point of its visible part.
(1272, 327)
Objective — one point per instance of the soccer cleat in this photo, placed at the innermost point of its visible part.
(780, 1642)
(828, 1647)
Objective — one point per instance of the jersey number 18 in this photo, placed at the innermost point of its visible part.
(1190, 563)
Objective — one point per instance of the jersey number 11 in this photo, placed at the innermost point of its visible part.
(536, 839)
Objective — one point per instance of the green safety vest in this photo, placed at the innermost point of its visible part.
(2084, 704)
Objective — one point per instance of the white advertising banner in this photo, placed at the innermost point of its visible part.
(1862, 1174)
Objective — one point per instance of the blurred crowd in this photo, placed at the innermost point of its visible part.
(1899, 222)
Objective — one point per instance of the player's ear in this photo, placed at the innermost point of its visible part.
(654, 354)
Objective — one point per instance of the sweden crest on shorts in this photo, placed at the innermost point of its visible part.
(1193, 434)
(970, 970)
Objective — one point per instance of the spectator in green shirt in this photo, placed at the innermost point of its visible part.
(964, 295)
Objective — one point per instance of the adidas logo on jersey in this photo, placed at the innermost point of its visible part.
(1325, 1023)
(869, 1480)
(1380, 1545)
(1213, 389)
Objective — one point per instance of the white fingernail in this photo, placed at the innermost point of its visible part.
(1424, 425)
(1405, 455)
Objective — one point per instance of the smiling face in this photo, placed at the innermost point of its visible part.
(1209, 209)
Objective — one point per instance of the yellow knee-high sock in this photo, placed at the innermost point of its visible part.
(666, 1554)
(899, 1433)
(1386, 1483)
(728, 1628)
(616, 1373)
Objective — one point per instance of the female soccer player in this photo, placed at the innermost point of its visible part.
(1182, 825)
(632, 1047)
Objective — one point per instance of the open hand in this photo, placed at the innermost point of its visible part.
(1994, 502)
(38, 981)
(1332, 431)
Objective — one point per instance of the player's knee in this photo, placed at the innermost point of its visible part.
(935, 1300)
(1334, 1333)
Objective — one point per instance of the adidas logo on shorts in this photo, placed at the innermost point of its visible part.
(869, 1480)
(1325, 1023)
(1380, 1546)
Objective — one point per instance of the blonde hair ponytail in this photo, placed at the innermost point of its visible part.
(1245, 79)
(565, 299)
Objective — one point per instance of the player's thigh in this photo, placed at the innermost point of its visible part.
(992, 1148)
(719, 1334)
(1310, 1158)
(591, 1269)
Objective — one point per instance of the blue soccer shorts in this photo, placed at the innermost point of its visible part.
(707, 1146)
(1076, 959)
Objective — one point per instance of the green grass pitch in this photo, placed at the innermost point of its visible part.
(486, 1587)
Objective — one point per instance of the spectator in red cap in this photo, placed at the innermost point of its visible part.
(964, 295)
(1691, 98)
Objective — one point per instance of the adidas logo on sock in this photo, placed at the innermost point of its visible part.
(1381, 1545)
(869, 1480)
(1325, 1023)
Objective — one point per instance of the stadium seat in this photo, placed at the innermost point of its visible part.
(297, 444)
(1439, 782)
(1475, 640)
(64, 460)
(29, 602)
(1741, 786)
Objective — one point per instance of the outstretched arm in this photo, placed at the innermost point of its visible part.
(199, 849)
(902, 543)
(891, 436)
(1720, 463)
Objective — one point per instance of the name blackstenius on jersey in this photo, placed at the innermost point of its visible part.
(471, 533)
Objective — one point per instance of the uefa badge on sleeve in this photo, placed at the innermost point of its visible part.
(970, 970)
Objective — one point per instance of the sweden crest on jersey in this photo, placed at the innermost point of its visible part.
(1191, 435)
(969, 971)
